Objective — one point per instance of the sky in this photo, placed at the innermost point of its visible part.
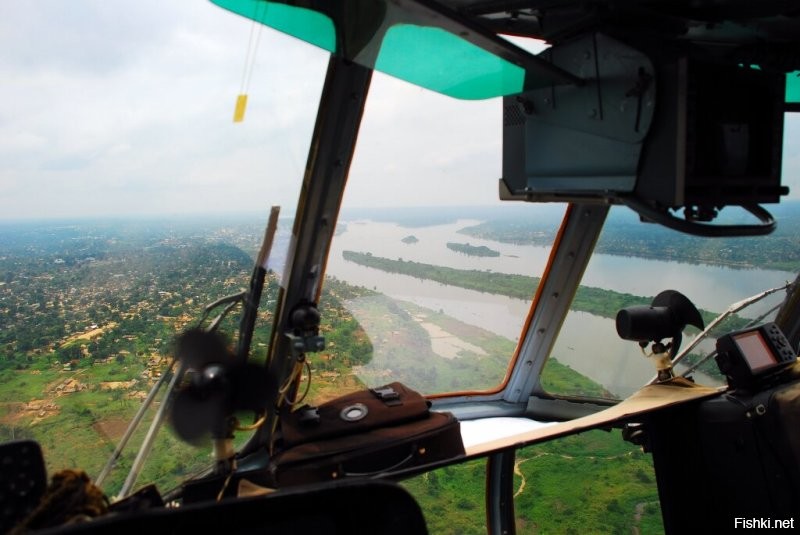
(116, 109)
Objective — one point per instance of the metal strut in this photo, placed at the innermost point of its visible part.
(341, 107)
(500, 517)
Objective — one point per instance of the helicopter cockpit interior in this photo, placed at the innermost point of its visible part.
(657, 125)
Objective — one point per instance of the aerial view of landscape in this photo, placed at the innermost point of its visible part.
(131, 201)
(90, 310)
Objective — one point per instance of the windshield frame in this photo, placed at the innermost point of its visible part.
(381, 35)
(332, 148)
(341, 107)
(522, 392)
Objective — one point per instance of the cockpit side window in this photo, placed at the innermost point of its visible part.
(130, 203)
(635, 261)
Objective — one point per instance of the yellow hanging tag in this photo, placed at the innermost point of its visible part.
(241, 104)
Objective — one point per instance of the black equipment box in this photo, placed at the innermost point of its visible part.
(751, 447)
(733, 456)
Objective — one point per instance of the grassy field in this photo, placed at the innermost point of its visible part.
(79, 425)
(593, 483)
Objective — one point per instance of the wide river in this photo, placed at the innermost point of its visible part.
(589, 344)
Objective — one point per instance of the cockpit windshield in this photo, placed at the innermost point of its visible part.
(131, 202)
(439, 302)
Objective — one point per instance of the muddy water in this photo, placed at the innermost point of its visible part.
(587, 343)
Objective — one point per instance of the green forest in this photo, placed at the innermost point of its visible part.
(597, 301)
(472, 250)
(625, 235)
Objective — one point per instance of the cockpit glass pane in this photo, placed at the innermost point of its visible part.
(458, 68)
(306, 24)
(395, 41)
(632, 263)
(424, 287)
(130, 202)
(793, 87)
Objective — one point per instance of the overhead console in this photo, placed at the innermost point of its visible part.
(658, 131)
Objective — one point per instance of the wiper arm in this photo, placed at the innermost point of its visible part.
(251, 299)
(221, 316)
(253, 295)
(151, 396)
(713, 353)
(152, 432)
(733, 309)
(230, 300)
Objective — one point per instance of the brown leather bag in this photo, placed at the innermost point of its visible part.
(354, 413)
(366, 433)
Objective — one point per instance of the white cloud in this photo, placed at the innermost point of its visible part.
(23, 141)
(127, 108)
(114, 107)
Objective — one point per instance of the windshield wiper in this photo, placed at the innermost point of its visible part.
(253, 295)
(733, 309)
(250, 299)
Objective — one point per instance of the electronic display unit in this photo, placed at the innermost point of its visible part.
(748, 357)
(755, 350)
